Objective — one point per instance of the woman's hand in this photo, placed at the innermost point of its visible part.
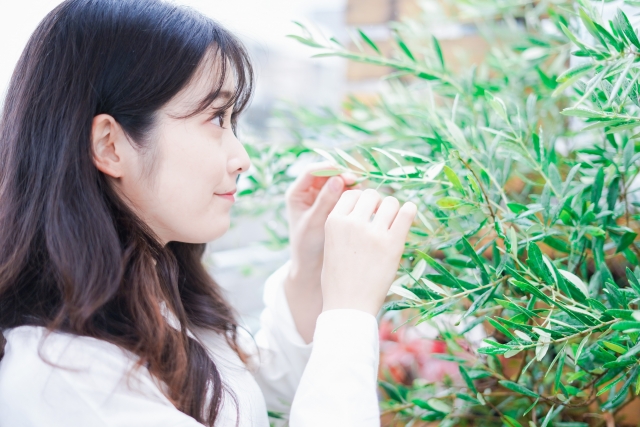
(361, 255)
(309, 201)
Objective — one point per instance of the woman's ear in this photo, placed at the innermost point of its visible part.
(107, 147)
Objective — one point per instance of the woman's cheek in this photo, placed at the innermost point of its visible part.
(208, 218)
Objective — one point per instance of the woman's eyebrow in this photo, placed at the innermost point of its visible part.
(225, 94)
(222, 97)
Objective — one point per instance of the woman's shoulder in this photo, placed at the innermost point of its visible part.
(34, 356)
(39, 362)
(56, 379)
(36, 344)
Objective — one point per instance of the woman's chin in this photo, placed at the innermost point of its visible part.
(200, 231)
(209, 234)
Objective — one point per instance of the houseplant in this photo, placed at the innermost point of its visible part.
(524, 169)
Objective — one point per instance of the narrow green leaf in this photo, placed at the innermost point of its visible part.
(471, 253)
(328, 172)
(435, 288)
(537, 264)
(598, 185)
(576, 71)
(510, 421)
(326, 155)
(626, 240)
(609, 386)
(608, 37)
(626, 325)
(589, 25)
(575, 281)
(438, 50)
(533, 405)
(493, 350)
(615, 347)
(518, 388)
(389, 156)
(584, 342)
(449, 202)
(404, 293)
(498, 106)
(349, 159)
(627, 155)
(438, 406)
(557, 380)
(404, 47)
(479, 302)
(368, 41)
(439, 268)
(618, 398)
(392, 391)
(583, 112)
(456, 133)
(368, 157)
(622, 23)
(550, 415)
(305, 41)
(468, 398)
(544, 340)
(501, 328)
(513, 242)
(633, 281)
(453, 178)
(467, 379)
(620, 314)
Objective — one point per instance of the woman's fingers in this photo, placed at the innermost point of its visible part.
(404, 219)
(386, 212)
(346, 203)
(367, 204)
(348, 178)
(328, 197)
(306, 179)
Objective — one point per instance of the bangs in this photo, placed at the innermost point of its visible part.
(227, 59)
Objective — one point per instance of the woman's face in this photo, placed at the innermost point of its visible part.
(183, 186)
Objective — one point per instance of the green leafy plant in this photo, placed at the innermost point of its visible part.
(524, 169)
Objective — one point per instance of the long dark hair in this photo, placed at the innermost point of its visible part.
(73, 256)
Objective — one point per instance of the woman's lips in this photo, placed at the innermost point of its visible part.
(228, 196)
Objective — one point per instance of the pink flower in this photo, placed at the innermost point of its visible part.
(407, 356)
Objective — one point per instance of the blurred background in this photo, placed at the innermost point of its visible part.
(286, 73)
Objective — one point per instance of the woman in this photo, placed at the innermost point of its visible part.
(118, 162)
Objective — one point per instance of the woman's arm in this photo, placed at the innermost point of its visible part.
(338, 386)
(361, 256)
(304, 295)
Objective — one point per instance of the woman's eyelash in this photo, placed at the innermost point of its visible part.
(219, 118)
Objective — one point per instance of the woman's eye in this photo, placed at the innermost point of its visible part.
(218, 120)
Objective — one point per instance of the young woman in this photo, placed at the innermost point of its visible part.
(118, 161)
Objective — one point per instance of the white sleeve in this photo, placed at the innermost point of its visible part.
(282, 353)
(83, 382)
(334, 378)
(338, 387)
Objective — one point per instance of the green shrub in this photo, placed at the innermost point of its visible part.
(524, 170)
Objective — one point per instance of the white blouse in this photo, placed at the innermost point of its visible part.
(86, 382)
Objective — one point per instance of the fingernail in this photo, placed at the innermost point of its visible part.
(349, 177)
(335, 184)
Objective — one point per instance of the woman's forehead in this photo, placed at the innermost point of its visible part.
(206, 80)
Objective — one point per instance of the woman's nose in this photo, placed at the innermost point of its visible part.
(239, 161)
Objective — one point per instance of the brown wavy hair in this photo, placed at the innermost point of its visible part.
(73, 256)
